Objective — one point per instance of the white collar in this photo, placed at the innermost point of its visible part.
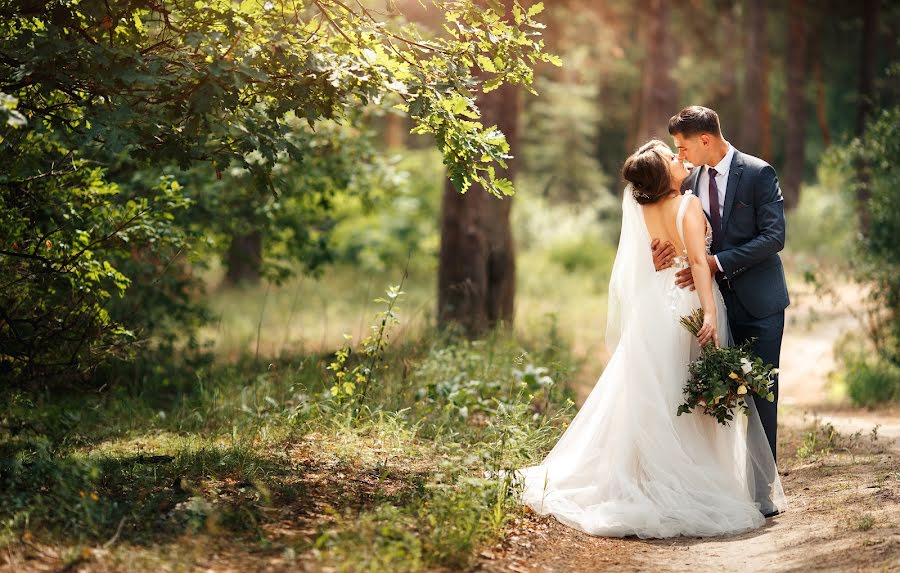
(723, 166)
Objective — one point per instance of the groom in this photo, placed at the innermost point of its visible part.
(743, 202)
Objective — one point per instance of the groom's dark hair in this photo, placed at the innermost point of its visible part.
(695, 120)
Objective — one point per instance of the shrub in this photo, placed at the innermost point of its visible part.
(878, 260)
(871, 381)
(585, 253)
(71, 245)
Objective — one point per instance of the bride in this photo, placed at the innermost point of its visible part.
(627, 465)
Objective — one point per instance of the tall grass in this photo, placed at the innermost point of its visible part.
(251, 443)
(307, 315)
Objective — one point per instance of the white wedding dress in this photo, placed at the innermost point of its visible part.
(627, 464)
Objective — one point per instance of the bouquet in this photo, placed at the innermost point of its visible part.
(723, 378)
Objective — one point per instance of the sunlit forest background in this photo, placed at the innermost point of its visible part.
(248, 320)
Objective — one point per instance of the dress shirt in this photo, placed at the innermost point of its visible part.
(722, 168)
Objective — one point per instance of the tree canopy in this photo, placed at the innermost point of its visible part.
(95, 92)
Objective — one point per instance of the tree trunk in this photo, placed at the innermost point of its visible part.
(796, 104)
(821, 103)
(867, 65)
(394, 130)
(477, 272)
(724, 98)
(866, 104)
(244, 259)
(755, 134)
(659, 92)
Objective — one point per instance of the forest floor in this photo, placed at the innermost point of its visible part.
(352, 500)
(840, 470)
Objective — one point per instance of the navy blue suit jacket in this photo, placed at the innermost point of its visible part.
(753, 230)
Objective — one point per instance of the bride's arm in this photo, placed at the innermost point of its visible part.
(695, 243)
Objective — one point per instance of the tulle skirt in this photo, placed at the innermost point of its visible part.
(628, 465)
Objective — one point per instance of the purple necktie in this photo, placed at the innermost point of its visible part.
(714, 215)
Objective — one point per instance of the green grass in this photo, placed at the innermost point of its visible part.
(248, 456)
(865, 522)
(820, 440)
(252, 450)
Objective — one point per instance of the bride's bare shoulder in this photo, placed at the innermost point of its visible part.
(693, 213)
(692, 200)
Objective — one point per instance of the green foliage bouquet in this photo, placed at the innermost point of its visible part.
(723, 378)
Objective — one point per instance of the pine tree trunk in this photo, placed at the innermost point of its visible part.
(866, 104)
(755, 135)
(726, 95)
(244, 259)
(796, 104)
(477, 272)
(821, 103)
(659, 93)
(394, 130)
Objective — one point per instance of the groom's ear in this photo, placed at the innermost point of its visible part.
(704, 138)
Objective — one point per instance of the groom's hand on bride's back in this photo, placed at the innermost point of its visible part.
(684, 278)
(663, 253)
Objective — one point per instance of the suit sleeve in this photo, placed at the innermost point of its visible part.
(770, 227)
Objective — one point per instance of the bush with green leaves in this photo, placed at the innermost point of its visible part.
(395, 220)
(296, 224)
(878, 260)
(456, 384)
(71, 244)
(873, 378)
(871, 381)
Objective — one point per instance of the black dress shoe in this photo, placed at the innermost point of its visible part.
(772, 513)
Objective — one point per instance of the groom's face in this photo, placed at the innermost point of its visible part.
(693, 149)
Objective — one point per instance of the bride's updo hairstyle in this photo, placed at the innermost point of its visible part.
(648, 172)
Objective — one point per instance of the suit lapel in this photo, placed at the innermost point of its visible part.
(734, 177)
(690, 182)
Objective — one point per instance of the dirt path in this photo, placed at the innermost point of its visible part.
(841, 478)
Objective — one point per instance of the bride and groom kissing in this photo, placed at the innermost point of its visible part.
(708, 239)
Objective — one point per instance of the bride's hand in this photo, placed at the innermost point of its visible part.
(708, 332)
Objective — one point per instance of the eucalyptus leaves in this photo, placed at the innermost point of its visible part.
(722, 378)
